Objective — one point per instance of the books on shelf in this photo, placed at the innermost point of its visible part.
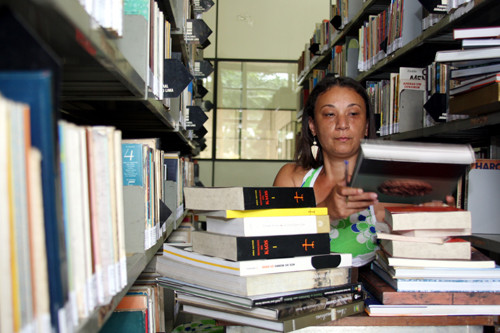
(426, 217)
(432, 310)
(269, 226)
(285, 325)
(245, 198)
(474, 71)
(260, 247)
(252, 285)
(259, 266)
(410, 172)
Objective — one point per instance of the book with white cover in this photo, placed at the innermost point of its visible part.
(467, 54)
(260, 266)
(432, 310)
(269, 226)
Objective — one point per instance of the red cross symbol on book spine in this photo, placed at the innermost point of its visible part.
(306, 245)
(298, 197)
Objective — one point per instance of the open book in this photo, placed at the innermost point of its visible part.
(410, 172)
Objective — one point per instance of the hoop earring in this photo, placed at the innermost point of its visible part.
(314, 148)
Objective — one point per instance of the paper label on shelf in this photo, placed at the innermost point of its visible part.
(62, 321)
(111, 280)
(72, 309)
(123, 268)
(90, 294)
(99, 287)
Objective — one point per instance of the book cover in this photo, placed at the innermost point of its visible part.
(244, 198)
(386, 294)
(269, 226)
(410, 172)
(287, 325)
(255, 284)
(259, 266)
(454, 248)
(477, 32)
(472, 71)
(256, 300)
(427, 217)
(259, 247)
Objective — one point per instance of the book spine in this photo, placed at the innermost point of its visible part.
(278, 197)
(250, 248)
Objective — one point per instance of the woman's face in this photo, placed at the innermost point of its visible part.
(339, 122)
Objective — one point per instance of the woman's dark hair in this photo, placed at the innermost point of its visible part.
(303, 154)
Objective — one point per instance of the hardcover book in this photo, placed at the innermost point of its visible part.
(482, 100)
(244, 198)
(410, 172)
(259, 247)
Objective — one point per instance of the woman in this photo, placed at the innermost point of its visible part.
(336, 118)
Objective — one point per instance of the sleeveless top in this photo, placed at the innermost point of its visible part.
(354, 234)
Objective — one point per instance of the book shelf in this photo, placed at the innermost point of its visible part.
(420, 51)
(100, 86)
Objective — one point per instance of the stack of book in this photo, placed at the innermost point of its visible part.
(425, 268)
(475, 71)
(263, 261)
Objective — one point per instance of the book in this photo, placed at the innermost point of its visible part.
(410, 172)
(477, 260)
(434, 233)
(287, 325)
(426, 217)
(467, 54)
(453, 248)
(475, 84)
(460, 73)
(479, 32)
(130, 315)
(386, 294)
(482, 100)
(437, 285)
(255, 284)
(256, 300)
(276, 311)
(259, 247)
(480, 42)
(36, 89)
(259, 266)
(244, 198)
(269, 226)
(234, 214)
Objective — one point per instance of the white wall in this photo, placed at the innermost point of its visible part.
(239, 173)
(264, 29)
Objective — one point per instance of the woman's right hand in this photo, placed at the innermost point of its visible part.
(343, 201)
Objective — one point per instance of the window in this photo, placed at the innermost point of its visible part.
(256, 110)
